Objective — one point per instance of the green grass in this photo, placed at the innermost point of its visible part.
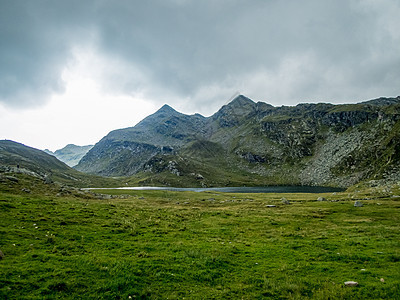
(161, 244)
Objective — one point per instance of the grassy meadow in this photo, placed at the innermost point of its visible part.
(188, 245)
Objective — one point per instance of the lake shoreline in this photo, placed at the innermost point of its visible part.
(265, 189)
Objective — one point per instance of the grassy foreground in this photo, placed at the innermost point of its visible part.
(175, 245)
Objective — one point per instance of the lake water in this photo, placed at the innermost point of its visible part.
(266, 189)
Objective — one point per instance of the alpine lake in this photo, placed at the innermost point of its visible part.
(245, 189)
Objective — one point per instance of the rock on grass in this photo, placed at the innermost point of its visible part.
(351, 283)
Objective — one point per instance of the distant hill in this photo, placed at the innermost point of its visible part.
(70, 154)
(18, 158)
(257, 144)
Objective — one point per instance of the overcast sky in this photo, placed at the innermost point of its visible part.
(71, 71)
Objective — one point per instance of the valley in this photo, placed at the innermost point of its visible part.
(59, 239)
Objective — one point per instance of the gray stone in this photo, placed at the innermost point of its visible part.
(321, 199)
(199, 177)
(47, 179)
(285, 201)
(358, 204)
(351, 283)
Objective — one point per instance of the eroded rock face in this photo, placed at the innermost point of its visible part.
(331, 153)
(342, 120)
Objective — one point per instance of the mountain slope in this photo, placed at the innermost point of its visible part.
(257, 144)
(18, 158)
(21, 156)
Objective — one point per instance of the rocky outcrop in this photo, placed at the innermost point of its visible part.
(341, 120)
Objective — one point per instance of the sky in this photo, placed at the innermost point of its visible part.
(72, 71)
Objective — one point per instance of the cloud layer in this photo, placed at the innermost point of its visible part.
(196, 54)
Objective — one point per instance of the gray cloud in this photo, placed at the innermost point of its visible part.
(199, 53)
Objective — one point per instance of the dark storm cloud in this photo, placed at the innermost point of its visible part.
(36, 38)
(204, 51)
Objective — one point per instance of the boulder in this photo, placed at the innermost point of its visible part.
(199, 177)
(358, 204)
(285, 201)
(351, 283)
(47, 179)
(321, 199)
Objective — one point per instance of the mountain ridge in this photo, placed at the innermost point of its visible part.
(256, 143)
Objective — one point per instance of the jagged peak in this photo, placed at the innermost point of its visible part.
(239, 106)
(166, 109)
(241, 100)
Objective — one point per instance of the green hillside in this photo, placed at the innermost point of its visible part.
(16, 158)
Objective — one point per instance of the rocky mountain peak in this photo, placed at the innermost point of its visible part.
(240, 106)
(166, 109)
(240, 101)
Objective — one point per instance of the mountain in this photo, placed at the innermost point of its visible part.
(70, 154)
(16, 158)
(252, 143)
(124, 152)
